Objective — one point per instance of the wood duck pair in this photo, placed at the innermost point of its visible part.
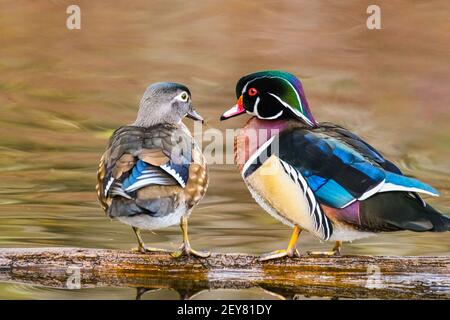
(317, 177)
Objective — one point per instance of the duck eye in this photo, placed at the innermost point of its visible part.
(252, 92)
(184, 97)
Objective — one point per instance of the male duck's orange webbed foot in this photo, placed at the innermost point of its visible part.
(290, 252)
(277, 254)
(336, 251)
(185, 248)
(142, 248)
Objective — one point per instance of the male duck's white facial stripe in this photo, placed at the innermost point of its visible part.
(292, 109)
(273, 117)
(322, 223)
(300, 114)
(275, 77)
(256, 113)
(255, 107)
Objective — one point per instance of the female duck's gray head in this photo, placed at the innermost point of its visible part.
(165, 102)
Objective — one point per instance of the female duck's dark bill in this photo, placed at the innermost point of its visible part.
(234, 111)
(194, 115)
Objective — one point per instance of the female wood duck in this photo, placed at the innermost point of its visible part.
(320, 177)
(153, 173)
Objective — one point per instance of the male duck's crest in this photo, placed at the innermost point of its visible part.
(271, 95)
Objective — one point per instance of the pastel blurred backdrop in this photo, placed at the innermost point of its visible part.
(62, 92)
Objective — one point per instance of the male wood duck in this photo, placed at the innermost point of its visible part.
(320, 177)
(153, 173)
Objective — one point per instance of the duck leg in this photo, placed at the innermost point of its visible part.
(291, 250)
(141, 245)
(336, 251)
(186, 246)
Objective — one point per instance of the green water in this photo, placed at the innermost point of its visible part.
(62, 92)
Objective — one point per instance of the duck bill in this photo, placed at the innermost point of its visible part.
(236, 110)
(194, 115)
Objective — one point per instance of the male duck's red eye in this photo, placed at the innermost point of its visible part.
(252, 92)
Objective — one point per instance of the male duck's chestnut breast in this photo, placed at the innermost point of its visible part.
(254, 135)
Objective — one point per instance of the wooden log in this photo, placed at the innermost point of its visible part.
(334, 277)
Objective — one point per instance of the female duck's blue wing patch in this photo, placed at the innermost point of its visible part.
(337, 172)
(144, 174)
(137, 157)
(179, 172)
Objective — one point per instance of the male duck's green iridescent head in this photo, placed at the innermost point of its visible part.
(271, 95)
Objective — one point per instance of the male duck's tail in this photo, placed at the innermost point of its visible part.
(440, 222)
(393, 211)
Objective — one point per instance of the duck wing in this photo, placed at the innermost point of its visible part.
(340, 168)
(138, 157)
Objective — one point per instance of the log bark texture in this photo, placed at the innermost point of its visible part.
(390, 277)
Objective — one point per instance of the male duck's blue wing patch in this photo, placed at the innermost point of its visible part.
(337, 172)
(361, 146)
(331, 192)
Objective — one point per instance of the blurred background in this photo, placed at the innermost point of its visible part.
(62, 92)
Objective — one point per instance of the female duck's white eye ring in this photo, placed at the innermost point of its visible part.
(183, 97)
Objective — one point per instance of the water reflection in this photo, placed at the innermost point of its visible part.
(62, 92)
